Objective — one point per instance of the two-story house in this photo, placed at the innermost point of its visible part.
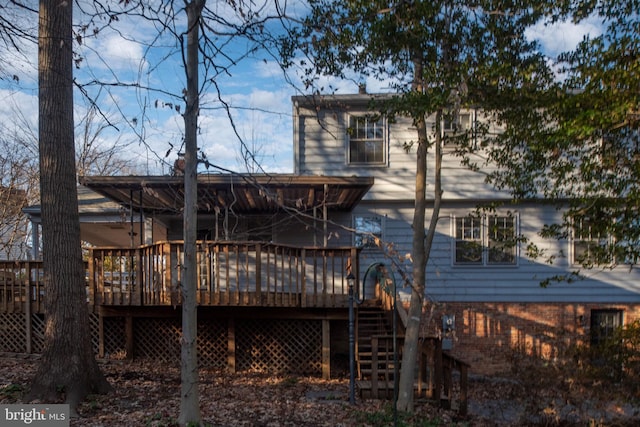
(479, 278)
(275, 253)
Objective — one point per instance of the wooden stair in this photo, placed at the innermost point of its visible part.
(377, 366)
(376, 369)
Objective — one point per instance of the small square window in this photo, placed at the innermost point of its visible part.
(368, 231)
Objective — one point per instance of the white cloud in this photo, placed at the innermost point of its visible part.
(562, 36)
(112, 56)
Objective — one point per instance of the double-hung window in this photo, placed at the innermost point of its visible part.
(485, 240)
(591, 243)
(501, 238)
(366, 136)
(468, 242)
(457, 123)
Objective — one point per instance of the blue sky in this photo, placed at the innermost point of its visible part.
(255, 89)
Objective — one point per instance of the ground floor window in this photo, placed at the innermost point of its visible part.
(485, 240)
(604, 323)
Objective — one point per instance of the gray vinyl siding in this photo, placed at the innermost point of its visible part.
(322, 145)
(321, 149)
(447, 282)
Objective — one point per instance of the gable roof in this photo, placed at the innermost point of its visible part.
(244, 193)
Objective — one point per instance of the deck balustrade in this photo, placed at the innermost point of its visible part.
(21, 281)
(229, 273)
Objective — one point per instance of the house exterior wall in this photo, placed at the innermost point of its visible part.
(501, 306)
(489, 335)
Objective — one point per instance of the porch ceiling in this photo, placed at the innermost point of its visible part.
(242, 193)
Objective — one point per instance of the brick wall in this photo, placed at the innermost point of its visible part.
(488, 334)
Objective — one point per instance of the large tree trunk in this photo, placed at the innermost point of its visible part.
(190, 395)
(67, 364)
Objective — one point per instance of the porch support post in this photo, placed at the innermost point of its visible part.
(35, 240)
(324, 217)
(326, 349)
(141, 219)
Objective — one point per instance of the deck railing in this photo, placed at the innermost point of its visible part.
(21, 281)
(229, 273)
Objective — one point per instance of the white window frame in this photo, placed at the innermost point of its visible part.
(457, 125)
(365, 238)
(382, 125)
(587, 239)
(477, 232)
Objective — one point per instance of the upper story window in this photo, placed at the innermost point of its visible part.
(468, 243)
(457, 128)
(457, 123)
(369, 230)
(366, 136)
(485, 240)
(620, 147)
(501, 237)
(599, 243)
(591, 243)
(585, 242)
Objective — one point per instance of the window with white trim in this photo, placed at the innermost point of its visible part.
(366, 136)
(485, 240)
(369, 231)
(458, 128)
(457, 122)
(468, 243)
(591, 246)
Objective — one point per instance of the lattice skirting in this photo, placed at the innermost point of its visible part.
(280, 346)
(264, 345)
(19, 336)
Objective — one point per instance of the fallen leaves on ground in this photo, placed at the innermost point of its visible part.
(147, 393)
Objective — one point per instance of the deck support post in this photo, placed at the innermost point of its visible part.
(27, 319)
(326, 349)
(100, 333)
(352, 342)
(231, 345)
(128, 328)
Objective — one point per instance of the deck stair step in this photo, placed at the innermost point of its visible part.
(377, 364)
(372, 326)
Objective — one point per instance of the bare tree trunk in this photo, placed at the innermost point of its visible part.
(422, 243)
(190, 395)
(68, 364)
(412, 333)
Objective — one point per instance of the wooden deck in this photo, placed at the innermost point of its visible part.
(132, 293)
(229, 274)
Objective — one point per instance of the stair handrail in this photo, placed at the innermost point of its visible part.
(361, 291)
(388, 297)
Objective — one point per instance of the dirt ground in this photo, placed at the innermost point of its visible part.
(147, 394)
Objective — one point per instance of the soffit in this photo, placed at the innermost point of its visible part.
(240, 193)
